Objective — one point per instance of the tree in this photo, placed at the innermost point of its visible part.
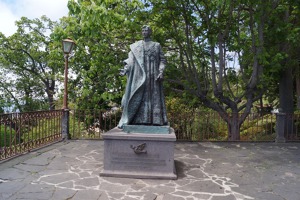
(32, 58)
(204, 35)
(282, 40)
(221, 52)
(103, 31)
(200, 38)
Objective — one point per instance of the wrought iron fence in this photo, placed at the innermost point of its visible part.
(23, 132)
(292, 127)
(90, 124)
(209, 126)
(189, 126)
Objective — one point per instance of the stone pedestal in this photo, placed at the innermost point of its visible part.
(139, 155)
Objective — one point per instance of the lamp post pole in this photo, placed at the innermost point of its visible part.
(68, 45)
(65, 103)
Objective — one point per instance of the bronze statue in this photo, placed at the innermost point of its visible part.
(143, 102)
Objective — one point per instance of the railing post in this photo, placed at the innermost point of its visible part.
(65, 124)
(280, 126)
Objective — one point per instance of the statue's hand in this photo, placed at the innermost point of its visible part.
(123, 71)
(160, 77)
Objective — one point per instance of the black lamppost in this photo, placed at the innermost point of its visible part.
(68, 45)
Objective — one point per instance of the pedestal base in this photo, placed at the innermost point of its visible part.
(138, 155)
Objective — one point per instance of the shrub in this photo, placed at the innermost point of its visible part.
(6, 136)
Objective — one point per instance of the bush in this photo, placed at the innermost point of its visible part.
(6, 135)
(260, 128)
(194, 124)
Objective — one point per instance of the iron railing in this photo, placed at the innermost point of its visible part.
(23, 132)
(189, 126)
(209, 126)
(90, 124)
(292, 127)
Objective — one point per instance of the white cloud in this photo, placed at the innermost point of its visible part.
(7, 23)
(12, 10)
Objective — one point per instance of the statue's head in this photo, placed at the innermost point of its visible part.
(146, 31)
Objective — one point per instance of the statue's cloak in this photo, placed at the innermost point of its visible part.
(143, 101)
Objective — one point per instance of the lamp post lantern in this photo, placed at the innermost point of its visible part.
(68, 46)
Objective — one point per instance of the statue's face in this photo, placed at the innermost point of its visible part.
(146, 32)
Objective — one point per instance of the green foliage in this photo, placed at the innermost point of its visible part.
(223, 55)
(7, 135)
(40, 129)
(228, 53)
(203, 125)
(31, 57)
(2, 105)
(90, 124)
(217, 52)
(103, 31)
(259, 128)
(282, 43)
(195, 124)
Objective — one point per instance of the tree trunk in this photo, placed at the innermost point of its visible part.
(298, 92)
(233, 127)
(50, 93)
(51, 101)
(297, 77)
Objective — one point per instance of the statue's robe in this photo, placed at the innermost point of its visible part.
(143, 102)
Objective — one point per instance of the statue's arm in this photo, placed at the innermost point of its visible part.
(162, 63)
(127, 65)
(124, 70)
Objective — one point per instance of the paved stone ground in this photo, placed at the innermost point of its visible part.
(210, 171)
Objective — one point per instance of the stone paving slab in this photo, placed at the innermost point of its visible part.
(208, 171)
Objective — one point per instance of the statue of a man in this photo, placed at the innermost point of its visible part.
(143, 102)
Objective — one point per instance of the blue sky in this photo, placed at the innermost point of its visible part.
(12, 10)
